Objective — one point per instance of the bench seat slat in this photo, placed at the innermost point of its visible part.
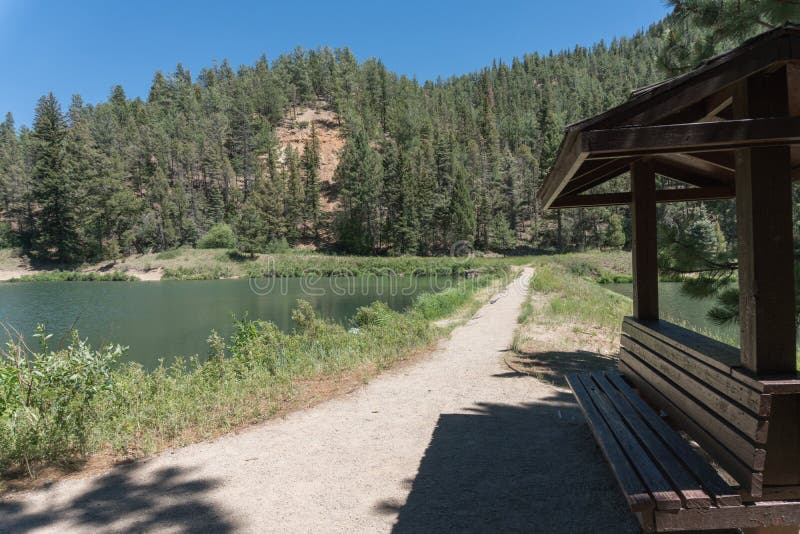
(636, 494)
(684, 483)
(665, 497)
(750, 480)
(721, 492)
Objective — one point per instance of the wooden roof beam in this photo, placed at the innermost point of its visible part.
(692, 171)
(694, 137)
(725, 161)
(598, 171)
(705, 110)
(662, 196)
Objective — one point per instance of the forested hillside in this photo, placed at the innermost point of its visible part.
(422, 165)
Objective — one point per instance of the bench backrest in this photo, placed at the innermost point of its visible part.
(750, 427)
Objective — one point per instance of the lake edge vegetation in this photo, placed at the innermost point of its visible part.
(59, 406)
(188, 263)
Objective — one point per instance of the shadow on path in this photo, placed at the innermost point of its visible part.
(552, 366)
(512, 468)
(167, 499)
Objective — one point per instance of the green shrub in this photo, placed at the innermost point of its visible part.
(199, 272)
(278, 246)
(170, 254)
(219, 236)
(73, 276)
(376, 314)
(47, 399)
(7, 237)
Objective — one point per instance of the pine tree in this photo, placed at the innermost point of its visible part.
(309, 162)
(56, 224)
(250, 229)
(359, 175)
(15, 187)
(295, 195)
(703, 28)
(462, 209)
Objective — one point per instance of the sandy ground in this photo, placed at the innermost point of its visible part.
(8, 274)
(458, 442)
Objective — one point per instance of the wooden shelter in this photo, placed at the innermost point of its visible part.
(728, 129)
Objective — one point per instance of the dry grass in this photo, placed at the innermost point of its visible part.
(569, 323)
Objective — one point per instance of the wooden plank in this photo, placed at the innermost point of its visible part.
(764, 230)
(783, 443)
(570, 159)
(782, 384)
(756, 402)
(645, 248)
(594, 172)
(744, 449)
(683, 482)
(634, 490)
(752, 481)
(710, 351)
(661, 490)
(781, 493)
(722, 493)
(587, 201)
(758, 515)
(725, 408)
(793, 80)
(662, 196)
(692, 137)
(724, 161)
(782, 387)
(693, 171)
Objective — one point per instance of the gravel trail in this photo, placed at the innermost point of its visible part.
(457, 442)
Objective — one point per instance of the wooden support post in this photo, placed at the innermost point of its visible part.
(764, 225)
(645, 247)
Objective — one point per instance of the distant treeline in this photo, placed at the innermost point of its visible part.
(423, 166)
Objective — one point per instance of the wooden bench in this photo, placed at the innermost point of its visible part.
(748, 427)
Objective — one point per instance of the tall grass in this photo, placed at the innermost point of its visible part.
(130, 411)
(295, 264)
(74, 276)
(572, 296)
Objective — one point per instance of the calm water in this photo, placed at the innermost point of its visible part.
(678, 308)
(169, 318)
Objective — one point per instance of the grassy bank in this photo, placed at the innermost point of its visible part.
(73, 276)
(213, 264)
(58, 407)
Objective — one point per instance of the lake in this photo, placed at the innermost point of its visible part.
(678, 308)
(171, 318)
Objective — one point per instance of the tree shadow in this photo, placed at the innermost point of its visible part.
(527, 468)
(553, 366)
(169, 499)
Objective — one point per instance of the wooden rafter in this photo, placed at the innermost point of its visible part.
(662, 196)
(598, 171)
(692, 171)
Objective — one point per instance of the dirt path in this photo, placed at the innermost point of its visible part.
(457, 442)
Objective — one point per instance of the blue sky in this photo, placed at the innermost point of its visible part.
(87, 46)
